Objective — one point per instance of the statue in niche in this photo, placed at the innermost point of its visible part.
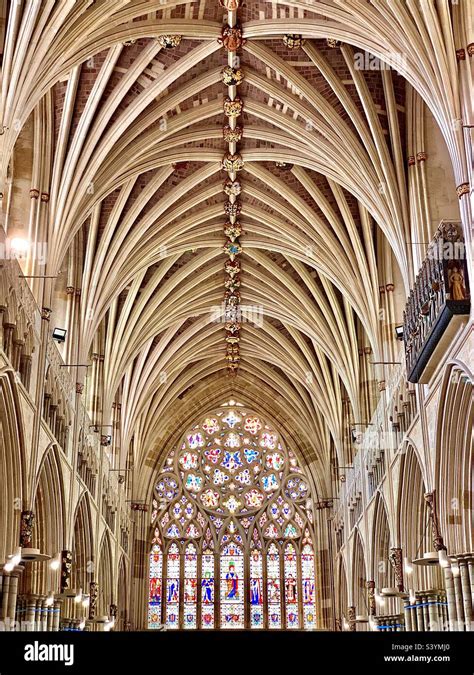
(457, 288)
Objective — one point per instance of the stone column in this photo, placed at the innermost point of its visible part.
(44, 615)
(13, 593)
(407, 614)
(419, 613)
(30, 615)
(433, 612)
(470, 565)
(50, 618)
(56, 615)
(458, 598)
(466, 591)
(451, 599)
(5, 594)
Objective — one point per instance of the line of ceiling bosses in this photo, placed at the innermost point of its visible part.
(232, 41)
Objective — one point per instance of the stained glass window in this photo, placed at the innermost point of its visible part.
(156, 572)
(232, 530)
(273, 586)
(172, 587)
(232, 587)
(207, 589)
(291, 587)
(256, 589)
(307, 582)
(190, 587)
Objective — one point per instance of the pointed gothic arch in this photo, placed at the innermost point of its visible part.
(454, 459)
(12, 463)
(83, 569)
(231, 530)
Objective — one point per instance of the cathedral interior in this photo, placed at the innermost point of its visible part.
(236, 351)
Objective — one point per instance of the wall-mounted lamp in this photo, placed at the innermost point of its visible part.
(59, 334)
(408, 567)
(13, 561)
(399, 332)
(55, 563)
(19, 245)
(443, 558)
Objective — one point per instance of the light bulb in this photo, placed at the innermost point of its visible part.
(55, 562)
(50, 599)
(408, 566)
(19, 244)
(82, 625)
(78, 597)
(8, 567)
(85, 602)
(16, 557)
(443, 558)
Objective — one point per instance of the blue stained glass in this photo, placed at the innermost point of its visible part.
(251, 455)
(232, 460)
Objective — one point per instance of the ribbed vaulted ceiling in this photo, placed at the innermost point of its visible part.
(133, 137)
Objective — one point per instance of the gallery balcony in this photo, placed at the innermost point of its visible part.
(438, 302)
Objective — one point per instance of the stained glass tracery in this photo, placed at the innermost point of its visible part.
(233, 545)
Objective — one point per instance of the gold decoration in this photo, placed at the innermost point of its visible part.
(462, 189)
(233, 108)
(232, 231)
(232, 267)
(170, 41)
(231, 38)
(233, 163)
(232, 188)
(232, 327)
(232, 77)
(232, 135)
(232, 339)
(293, 41)
(232, 283)
(232, 298)
(232, 249)
(232, 209)
(333, 43)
